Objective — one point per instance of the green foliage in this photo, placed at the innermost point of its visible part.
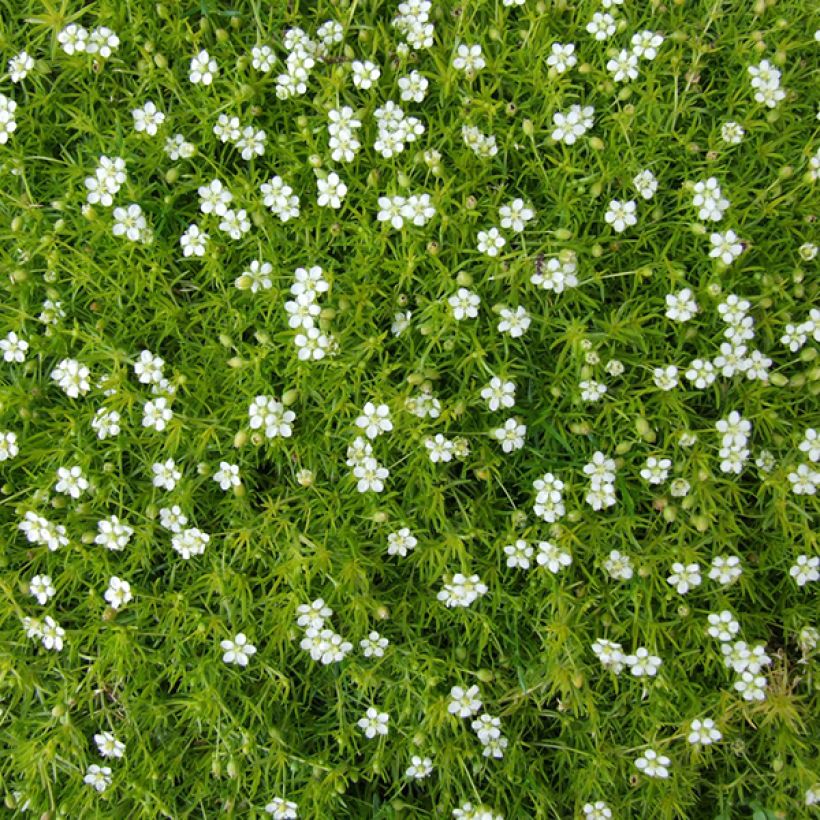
(205, 738)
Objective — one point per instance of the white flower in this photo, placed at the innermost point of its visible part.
(609, 654)
(552, 557)
(646, 184)
(805, 570)
(374, 723)
(102, 41)
(518, 554)
(108, 745)
(71, 481)
(621, 215)
(701, 373)
(515, 215)
(214, 198)
(619, 566)
(665, 378)
(113, 534)
(751, 686)
(462, 590)
(645, 44)
(681, 306)
(194, 241)
(166, 474)
(723, 625)
(499, 393)
(52, 634)
(370, 475)
(596, 811)
(73, 39)
(464, 702)
(490, 242)
(227, 476)
(401, 321)
(313, 614)
(251, 142)
(804, 479)
(282, 809)
(562, 57)
(398, 543)
(656, 470)
(413, 87)
(468, 58)
(602, 25)
(652, 764)
(374, 420)
(810, 445)
(732, 133)
(118, 593)
(684, 577)
(14, 348)
(98, 777)
(624, 66)
(8, 446)
(725, 569)
(190, 542)
(439, 448)
(41, 587)
(365, 73)
(642, 663)
(331, 191)
(725, 246)
(373, 645)
(511, 435)
(464, 304)
(591, 390)
(156, 413)
(148, 118)
(19, 66)
(235, 223)
(419, 767)
(203, 69)
(514, 321)
(237, 651)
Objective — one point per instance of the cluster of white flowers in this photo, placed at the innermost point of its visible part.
(48, 632)
(72, 377)
(413, 23)
(39, 530)
(766, 83)
(280, 199)
(462, 590)
(549, 503)
(734, 430)
(416, 209)
(481, 144)
(395, 129)
(709, 200)
(556, 273)
(8, 123)
(321, 642)
(573, 123)
(795, 336)
(109, 176)
(100, 41)
(190, 542)
(601, 473)
(342, 127)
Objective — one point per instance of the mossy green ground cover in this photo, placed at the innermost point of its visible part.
(434, 393)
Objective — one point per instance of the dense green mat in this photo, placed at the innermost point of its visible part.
(409, 410)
